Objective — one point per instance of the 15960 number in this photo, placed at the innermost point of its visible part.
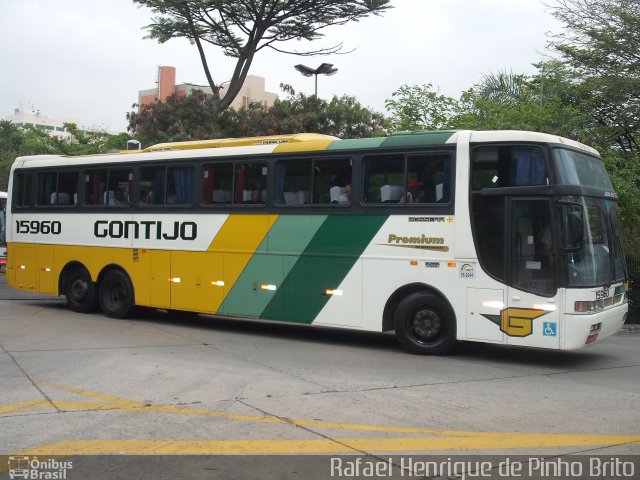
(44, 227)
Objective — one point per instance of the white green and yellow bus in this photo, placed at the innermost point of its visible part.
(3, 243)
(507, 237)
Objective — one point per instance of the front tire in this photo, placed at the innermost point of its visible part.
(425, 324)
(81, 292)
(116, 294)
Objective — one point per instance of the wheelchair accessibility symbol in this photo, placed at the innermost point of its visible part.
(549, 329)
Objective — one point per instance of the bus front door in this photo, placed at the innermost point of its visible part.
(532, 315)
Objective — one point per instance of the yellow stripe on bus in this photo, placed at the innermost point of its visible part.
(239, 238)
(311, 145)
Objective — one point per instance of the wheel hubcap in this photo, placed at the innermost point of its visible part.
(116, 294)
(426, 325)
(79, 289)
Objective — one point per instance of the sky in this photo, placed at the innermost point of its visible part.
(87, 59)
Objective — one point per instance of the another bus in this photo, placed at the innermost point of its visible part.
(507, 237)
(3, 223)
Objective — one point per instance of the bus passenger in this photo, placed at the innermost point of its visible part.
(414, 194)
(345, 196)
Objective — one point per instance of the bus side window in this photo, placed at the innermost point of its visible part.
(152, 185)
(314, 181)
(250, 178)
(57, 188)
(508, 166)
(94, 186)
(217, 183)
(384, 179)
(180, 186)
(22, 188)
(294, 181)
(423, 178)
(331, 181)
(432, 176)
(108, 186)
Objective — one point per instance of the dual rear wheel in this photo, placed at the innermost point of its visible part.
(114, 293)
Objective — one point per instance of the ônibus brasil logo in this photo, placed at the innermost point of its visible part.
(33, 468)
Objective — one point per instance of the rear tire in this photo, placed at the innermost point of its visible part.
(425, 324)
(81, 292)
(116, 294)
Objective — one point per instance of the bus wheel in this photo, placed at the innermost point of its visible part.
(425, 324)
(80, 291)
(116, 294)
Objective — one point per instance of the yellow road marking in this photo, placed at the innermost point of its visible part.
(112, 402)
(340, 445)
(23, 406)
(429, 439)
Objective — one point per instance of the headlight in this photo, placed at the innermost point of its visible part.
(589, 307)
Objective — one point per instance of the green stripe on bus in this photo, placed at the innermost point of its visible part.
(357, 143)
(417, 139)
(270, 264)
(325, 262)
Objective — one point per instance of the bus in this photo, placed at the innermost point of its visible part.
(3, 243)
(506, 237)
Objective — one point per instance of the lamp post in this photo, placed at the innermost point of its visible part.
(324, 69)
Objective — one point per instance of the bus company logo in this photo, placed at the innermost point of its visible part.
(427, 219)
(148, 230)
(467, 270)
(422, 242)
(275, 141)
(33, 468)
(447, 219)
(516, 322)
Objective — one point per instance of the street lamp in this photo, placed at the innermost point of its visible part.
(324, 69)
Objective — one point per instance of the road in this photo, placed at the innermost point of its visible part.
(73, 384)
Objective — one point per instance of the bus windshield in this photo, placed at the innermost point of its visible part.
(595, 254)
(577, 168)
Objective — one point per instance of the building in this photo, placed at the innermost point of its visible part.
(253, 90)
(28, 115)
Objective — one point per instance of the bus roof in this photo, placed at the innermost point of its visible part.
(301, 142)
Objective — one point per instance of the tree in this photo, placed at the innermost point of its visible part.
(505, 88)
(28, 140)
(197, 117)
(192, 117)
(244, 27)
(420, 107)
(601, 44)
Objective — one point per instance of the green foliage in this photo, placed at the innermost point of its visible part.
(601, 45)
(420, 107)
(20, 141)
(199, 116)
(624, 169)
(193, 117)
